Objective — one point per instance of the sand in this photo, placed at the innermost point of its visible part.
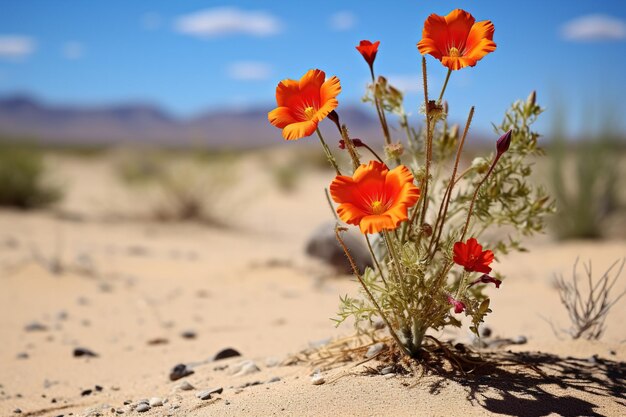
(123, 283)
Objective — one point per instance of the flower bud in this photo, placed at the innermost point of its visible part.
(368, 50)
(503, 143)
(531, 100)
(486, 279)
(356, 142)
(394, 150)
(459, 306)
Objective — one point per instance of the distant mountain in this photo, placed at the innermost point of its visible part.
(27, 118)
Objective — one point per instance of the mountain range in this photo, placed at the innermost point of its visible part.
(26, 118)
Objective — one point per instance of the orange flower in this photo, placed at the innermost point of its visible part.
(303, 104)
(368, 50)
(375, 198)
(457, 40)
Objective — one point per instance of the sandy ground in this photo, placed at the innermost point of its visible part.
(90, 275)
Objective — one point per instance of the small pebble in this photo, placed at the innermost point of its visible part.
(35, 327)
(520, 340)
(80, 352)
(17, 411)
(272, 362)
(180, 371)
(485, 331)
(386, 370)
(389, 376)
(185, 386)
(247, 367)
(204, 395)
(188, 334)
(317, 380)
(22, 355)
(226, 353)
(155, 402)
(142, 408)
(274, 379)
(374, 350)
(86, 392)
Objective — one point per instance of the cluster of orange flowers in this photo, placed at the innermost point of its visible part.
(377, 198)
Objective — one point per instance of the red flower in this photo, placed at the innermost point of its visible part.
(486, 279)
(368, 50)
(471, 256)
(459, 306)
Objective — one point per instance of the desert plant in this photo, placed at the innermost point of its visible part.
(588, 309)
(422, 227)
(188, 186)
(25, 179)
(591, 194)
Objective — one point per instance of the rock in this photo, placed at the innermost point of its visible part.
(206, 394)
(323, 245)
(389, 375)
(317, 380)
(485, 331)
(17, 411)
(22, 355)
(374, 350)
(158, 341)
(180, 371)
(80, 352)
(387, 370)
(35, 327)
(250, 384)
(244, 368)
(189, 334)
(520, 340)
(272, 362)
(185, 386)
(142, 407)
(274, 379)
(155, 402)
(86, 392)
(226, 353)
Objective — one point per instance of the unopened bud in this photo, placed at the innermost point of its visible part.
(334, 117)
(356, 142)
(503, 143)
(445, 107)
(531, 100)
(454, 132)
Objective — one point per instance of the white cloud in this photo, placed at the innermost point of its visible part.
(249, 71)
(342, 21)
(16, 46)
(73, 50)
(594, 27)
(151, 21)
(210, 23)
(407, 83)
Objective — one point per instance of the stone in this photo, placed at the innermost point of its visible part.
(273, 379)
(272, 362)
(225, 354)
(180, 371)
(185, 386)
(387, 370)
(520, 340)
(155, 402)
(35, 326)
(485, 331)
(323, 245)
(189, 334)
(142, 407)
(317, 380)
(374, 350)
(83, 352)
(244, 368)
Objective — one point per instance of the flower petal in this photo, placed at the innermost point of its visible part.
(299, 130)
(281, 117)
(376, 223)
(330, 89)
(459, 24)
(350, 213)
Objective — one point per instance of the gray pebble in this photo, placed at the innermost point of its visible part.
(520, 340)
(142, 408)
(185, 386)
(204, 395)
(35, 327)
(374, 350)
(386, 370)
(155, 402)
(317, 380)
(274, 379)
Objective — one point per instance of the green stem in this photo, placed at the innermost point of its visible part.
(445, 84)
(329, 154)
(330, 204)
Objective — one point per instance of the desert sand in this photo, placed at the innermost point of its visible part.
(144, 296)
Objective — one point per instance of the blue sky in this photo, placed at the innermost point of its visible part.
(191, 56)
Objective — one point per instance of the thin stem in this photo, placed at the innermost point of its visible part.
(330, 204)
(443, 208)
(380, 270)
(329, 155)
(471, 208)
(445, 84)
(381, 113)
(369, 294)
(373, 153)
(429, 144)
